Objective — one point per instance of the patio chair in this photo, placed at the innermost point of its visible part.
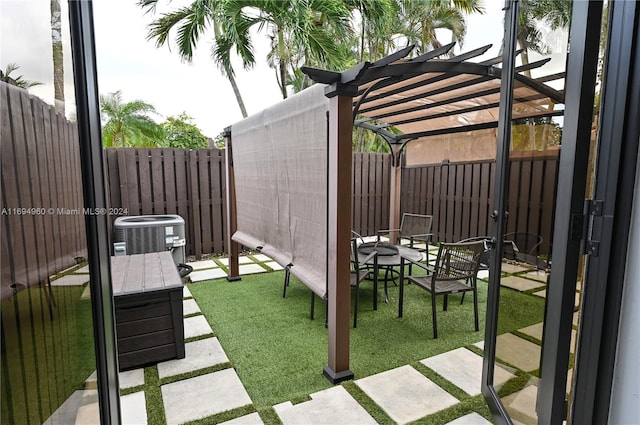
(454, 272)
(360, 271)
(524, 248)
(416, 228)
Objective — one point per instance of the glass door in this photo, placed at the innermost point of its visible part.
(538, 219)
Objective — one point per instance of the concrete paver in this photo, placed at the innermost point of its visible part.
(463, 368)
(71, 280)
(519, 283)
(470, 419)
(273, 265)
(133, 409)
(331, 406)
(186, 293)
(251, 419)
(198, 355)
(251, 268)
(190, 306)
(196, 326)
(204, 264)
(405, 394)
(519, 352)
(203, 396)
(209, 274)
(521, 405)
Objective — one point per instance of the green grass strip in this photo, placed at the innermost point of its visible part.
(368, 404)
(470, 405)
(153, 397)
(224, 416)
(269, 416)
(187, 375)
(441, 381)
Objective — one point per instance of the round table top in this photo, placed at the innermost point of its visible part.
(395, 260)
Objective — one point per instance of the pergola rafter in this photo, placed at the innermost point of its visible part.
(419, 97)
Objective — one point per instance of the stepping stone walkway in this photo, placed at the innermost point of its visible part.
(331, 406)
(405, 394)
(463, 368)
(202, 396)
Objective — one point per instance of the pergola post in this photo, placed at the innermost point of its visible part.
(395, 189)
(232, 225)
(339, 230)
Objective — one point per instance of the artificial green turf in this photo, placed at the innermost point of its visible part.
(279, 353)
(47, 351)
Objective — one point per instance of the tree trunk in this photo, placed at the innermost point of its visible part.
(58, 64)
(236, 92)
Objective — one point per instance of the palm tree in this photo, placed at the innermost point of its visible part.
(16, 81)
(128, 124)
(554, 14)
(191, 22)
(419, 20)
(57, 55)
(309, 29)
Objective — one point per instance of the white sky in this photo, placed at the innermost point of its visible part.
(130, 63)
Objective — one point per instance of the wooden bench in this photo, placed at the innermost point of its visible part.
(147, 291)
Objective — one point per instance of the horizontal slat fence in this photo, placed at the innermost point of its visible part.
(42, 221)
(190, 183)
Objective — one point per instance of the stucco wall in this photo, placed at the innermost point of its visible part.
(625, 394)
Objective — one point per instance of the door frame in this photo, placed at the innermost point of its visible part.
(569, 218)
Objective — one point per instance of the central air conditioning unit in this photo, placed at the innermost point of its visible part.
(150, 233)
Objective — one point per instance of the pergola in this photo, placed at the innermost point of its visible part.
(419, 97)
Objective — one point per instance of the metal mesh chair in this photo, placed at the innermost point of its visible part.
(455, 271)
(359, 272)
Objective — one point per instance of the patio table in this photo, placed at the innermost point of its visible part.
(389, 256)
(147, 291)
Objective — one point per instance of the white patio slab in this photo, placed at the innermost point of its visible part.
(331, 406)
(519, 352)
(533, 330)
(251, 268)
(83, 269)
(261, 257)
(515, 268)
(88, 412)
(190, 306)
(134, 409)
(463, 368)
(536, 332)
(204, 264)
(483, 274)
(273, 265)
(251, 419)
(522, 405)
(196, 326)
(470, 419)
(538, 275)
(405, 394)
(131, 378)
(519, 283)
(186, 293)
(198, 355)
(209, 274)
(243, 259)
(66, 413)
(86, 294)
(203, 396)
(543, 294)
(71, 280)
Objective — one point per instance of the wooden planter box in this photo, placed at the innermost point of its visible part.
(147, 290)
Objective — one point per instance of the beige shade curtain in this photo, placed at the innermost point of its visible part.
(280, 167)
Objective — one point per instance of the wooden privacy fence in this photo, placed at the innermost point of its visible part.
(460, 196)
(370, 204)
(190, 183)
(42, 218)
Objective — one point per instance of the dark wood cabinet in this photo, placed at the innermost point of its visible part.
(148, 301)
